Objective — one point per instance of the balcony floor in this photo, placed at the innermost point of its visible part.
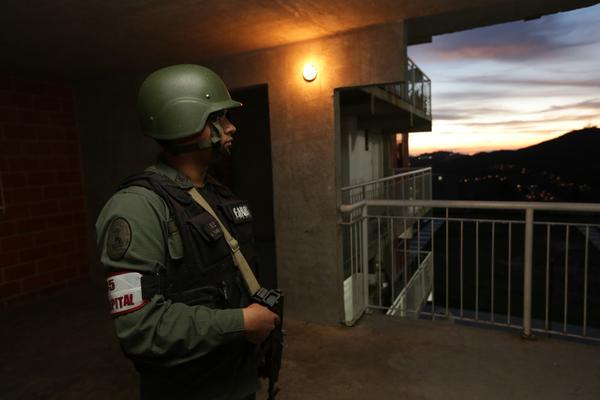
(64, 348)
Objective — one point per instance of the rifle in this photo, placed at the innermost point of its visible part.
(271, 350)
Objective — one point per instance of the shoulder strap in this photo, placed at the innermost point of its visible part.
(238, 258)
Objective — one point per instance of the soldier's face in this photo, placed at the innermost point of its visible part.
(227, 132)
(227, 129)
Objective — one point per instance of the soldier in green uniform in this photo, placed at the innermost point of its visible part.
(180, 307)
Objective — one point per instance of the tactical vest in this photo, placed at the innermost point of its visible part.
(206, 275)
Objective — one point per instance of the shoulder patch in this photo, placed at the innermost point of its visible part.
(119, 238)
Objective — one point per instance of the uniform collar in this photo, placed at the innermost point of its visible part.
(213, 181)
(180, 179)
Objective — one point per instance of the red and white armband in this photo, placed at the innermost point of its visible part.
(125, 292)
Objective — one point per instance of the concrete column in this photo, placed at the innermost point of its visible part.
(405, 152)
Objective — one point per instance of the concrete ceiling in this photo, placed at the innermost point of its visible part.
(98, 37)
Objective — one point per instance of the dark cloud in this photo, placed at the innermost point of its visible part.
(463, 113)
(513, 41)
(591, 104)
(497, 93)
(531, 122)
(539, 48)
(448, 116)
(549, 82)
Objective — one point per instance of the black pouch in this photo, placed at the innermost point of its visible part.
(209, 240)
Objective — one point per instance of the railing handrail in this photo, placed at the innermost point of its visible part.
(415, 89)
(507, 205)
(409, 62)
(387, 178)
(347, 208)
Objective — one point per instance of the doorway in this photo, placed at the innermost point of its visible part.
(248, 172)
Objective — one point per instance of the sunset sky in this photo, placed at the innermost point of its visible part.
(511, 85)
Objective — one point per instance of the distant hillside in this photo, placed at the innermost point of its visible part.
(575, 155)
(566, 168)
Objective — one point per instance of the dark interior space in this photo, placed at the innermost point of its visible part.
(248, 172)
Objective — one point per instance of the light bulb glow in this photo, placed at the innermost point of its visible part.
(310, 72)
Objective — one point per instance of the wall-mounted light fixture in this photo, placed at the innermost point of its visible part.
(310, 72)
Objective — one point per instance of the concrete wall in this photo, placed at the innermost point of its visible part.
(304, 151)
(362, 162)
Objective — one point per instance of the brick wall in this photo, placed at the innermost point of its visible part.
(43, 245)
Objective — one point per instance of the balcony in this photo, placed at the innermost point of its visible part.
(398, 106)
(531, 267)
(415, 91)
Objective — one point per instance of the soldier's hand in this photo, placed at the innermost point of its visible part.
(259, 321)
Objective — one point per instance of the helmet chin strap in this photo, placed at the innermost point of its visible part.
(216, 132)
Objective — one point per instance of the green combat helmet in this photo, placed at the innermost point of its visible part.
(176, 102)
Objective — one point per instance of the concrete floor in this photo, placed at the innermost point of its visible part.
(64, 348)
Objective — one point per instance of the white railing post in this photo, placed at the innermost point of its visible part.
(527, 273)
(429, 186)
(365, 255)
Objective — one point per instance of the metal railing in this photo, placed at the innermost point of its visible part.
(413, 184)
(408, 184)
(415, 90)
(531, 266)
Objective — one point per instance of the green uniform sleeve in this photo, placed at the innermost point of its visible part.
(161, 332)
